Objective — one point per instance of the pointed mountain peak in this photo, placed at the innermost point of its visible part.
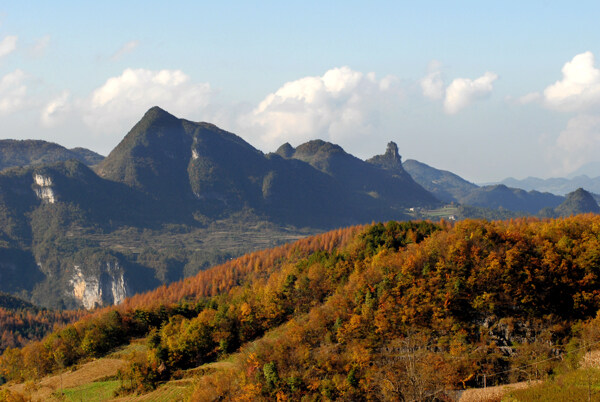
(390, 160)
(391, 152)
(155, 114)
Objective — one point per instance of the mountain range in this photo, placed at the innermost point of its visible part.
(449, 187)
(556, 185)
(176, 196)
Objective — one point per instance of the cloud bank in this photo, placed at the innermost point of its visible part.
(340, 103)
(578, 93)
(13, 92)
(123, 99)
(579, 88)
(115, 106)
(461, 92)
(8, 45)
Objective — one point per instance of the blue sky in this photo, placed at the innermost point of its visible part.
(472, 87)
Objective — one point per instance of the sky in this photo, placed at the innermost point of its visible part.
(487, 90)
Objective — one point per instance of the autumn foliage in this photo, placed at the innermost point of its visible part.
(20, 326)
(401, 311)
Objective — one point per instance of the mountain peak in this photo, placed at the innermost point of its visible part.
(390, 160)
(286, 150)
(314, 147)
(391, 152)
(157, 109)
(155, 114)
(578, 202)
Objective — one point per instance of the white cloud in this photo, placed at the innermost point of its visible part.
(578, 93)
(8, 45)
(55, 110)
(116, 105)
(13, 92)
(125, 49)
(460, 93)
(529, 98)
(340, 103)
(464, 91)
(433, 85)
(579, 142)
(579, 88)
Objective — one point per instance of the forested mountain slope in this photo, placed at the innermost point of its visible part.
(397, 311)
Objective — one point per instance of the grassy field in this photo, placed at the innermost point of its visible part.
(578, 385)
(85, 376)
(176, 390)
(92, 392)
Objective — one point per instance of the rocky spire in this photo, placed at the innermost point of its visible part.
(391, 152)
(390, 159)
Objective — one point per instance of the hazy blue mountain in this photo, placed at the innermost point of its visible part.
(34, 152)
(450, 187)
(591, 169)
(513, 199)
(577, 202)
(558, 185)
(445, 185)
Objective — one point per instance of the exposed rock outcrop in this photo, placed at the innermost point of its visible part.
(106, 287)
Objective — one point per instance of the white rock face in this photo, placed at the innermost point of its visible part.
(195, 154)
(97, 290)
(46, 194)
(44, 191)
(119, 292)
(42, 181)
(86, 289)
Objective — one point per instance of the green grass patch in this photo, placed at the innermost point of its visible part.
(94, 391)
(578, 385)
(136, 345)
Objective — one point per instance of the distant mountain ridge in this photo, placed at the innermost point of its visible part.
(557, 185)
(35, 152)
(450, 187)
(445, 185)
(576, 202)
(514, 199)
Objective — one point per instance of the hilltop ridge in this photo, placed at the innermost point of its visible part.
(15, 153)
